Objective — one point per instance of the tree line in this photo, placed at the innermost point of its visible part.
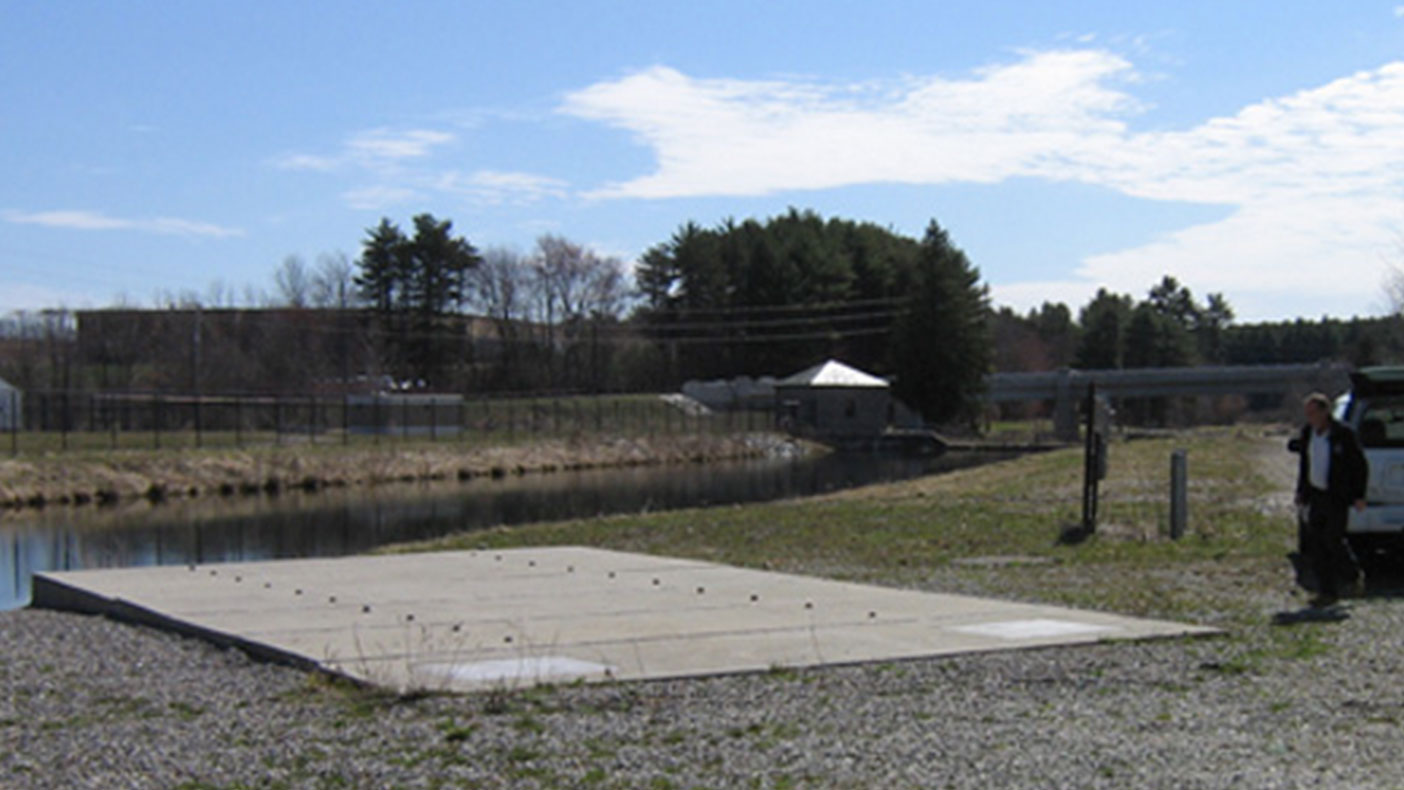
(424, 307)
(1169, 327)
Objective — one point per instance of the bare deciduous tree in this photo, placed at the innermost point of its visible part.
(332, 283)
(293, 281)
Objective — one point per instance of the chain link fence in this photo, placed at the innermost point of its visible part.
(64, 421)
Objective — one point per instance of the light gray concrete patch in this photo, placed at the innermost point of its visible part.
(482, 619)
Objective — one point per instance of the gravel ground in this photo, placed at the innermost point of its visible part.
(91, 703)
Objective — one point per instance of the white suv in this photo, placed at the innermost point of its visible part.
(1374, 409)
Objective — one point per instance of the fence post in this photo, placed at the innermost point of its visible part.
(345, 418)
(238, 421)
(14, 423)
(199, 441)
(112, 419)
(278, 420)
(433, 418)
(312, 418)
(1179, 493)
(64, 416)
(156, 420)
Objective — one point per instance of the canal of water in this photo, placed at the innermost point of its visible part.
(340, 522)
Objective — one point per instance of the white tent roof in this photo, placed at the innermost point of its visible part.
(5, 385)
(832, 374)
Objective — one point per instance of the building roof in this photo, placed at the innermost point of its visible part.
(832, 374)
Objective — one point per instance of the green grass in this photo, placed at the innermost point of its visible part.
(908, 533)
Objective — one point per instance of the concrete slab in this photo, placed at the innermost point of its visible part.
(483, 619)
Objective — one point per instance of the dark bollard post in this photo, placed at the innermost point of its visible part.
(433, 418)
(156, 421)
(345, 419)
(1090, 464)
(64, 416)
(1179, 493)
(238, 421)
(278, 420)
(199, 440)
(14, 422)
(112, 419)
(311, 419)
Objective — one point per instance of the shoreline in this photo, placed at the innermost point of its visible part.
(125, 476)
(97, 703)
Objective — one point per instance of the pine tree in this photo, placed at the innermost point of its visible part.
(940, 345)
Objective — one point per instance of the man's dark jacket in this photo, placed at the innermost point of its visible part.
(1346, 481)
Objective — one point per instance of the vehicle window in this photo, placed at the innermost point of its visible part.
(1382, 423)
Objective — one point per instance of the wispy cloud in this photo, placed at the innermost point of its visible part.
(371, 148)
(95, 221)
(496, 187)
(1312, 177)
(407, 165)
(378, 198)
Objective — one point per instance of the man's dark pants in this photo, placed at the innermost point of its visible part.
(1326, 543)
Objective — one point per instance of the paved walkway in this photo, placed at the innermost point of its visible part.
(485, 619)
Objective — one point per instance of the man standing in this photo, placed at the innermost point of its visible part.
(1331, 479)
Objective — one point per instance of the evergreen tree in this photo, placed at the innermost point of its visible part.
(410, 284)
(940, 344)
(1103, 322)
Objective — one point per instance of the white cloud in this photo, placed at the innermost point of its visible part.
(499, 187)
(371, 149)
(92, 220)
(1315, 180)
(377, 198)
(729, 137)
(387, 145)
(406, 166)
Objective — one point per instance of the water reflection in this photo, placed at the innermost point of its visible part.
(348, 522)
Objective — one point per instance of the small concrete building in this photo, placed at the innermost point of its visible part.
(834, 401)
(11, 407)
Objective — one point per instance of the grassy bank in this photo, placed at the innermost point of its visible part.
(103, 476)
(993, 530)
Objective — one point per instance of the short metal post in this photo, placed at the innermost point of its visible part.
(1179, 493)
(1090, 463)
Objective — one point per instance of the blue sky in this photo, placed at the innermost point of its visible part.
(1249, 148)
